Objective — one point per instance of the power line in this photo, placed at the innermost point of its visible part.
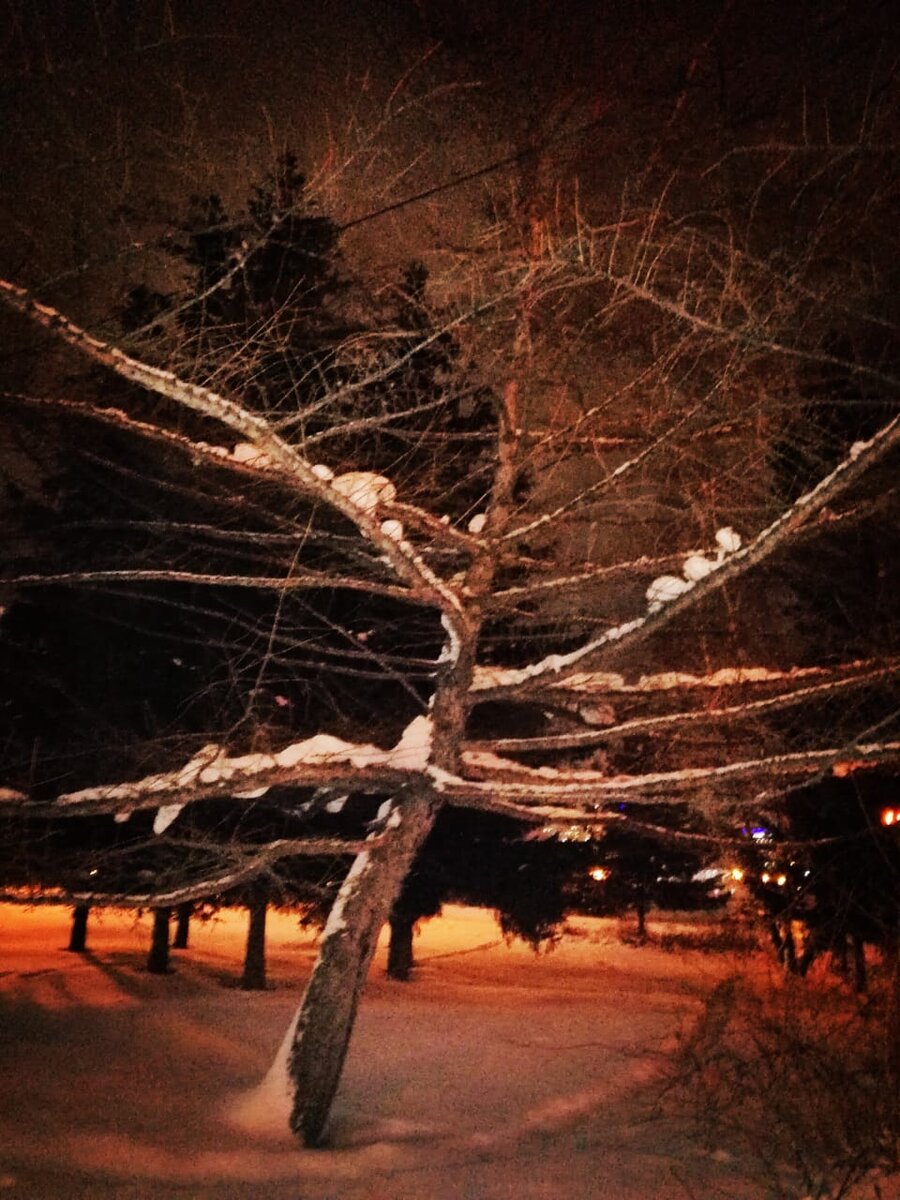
(467, 177)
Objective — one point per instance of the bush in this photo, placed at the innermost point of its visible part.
(800, 1079)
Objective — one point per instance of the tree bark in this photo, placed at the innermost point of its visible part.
(860, 981)
(641, 910)
(329, 1005)
(184, 912)
(158, 958)
(400, 947)
(254, 976)
(78, 935)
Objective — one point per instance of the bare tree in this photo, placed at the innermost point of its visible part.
(465, 576)
(592, 604)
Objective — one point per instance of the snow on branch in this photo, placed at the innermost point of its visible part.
(591, 737)
(508, 597)
(596, 683)
(487, 777)
(504, 779)
(549, 671)
(317, 760)
(256, 431)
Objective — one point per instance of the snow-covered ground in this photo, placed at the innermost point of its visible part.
(495, 1074)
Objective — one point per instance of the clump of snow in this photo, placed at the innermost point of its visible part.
(619, 631)
(392, 529)
(451, 648)
(414, 747)
(244, 453)
(165, 816)
(857, 448)
(129, 793)
(478, 522)
(597, 714)
(410, 753)
(266, 1109)
(205, 755)
(366, 489)
(222, 768)
(219, 451)
(323, 747)
(666, 588)
(728, 540)
(250, 456)
(384, 809)
(696, 567)
(322, 472)
(336, 805)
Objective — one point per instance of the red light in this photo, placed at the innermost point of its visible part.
(890, 816)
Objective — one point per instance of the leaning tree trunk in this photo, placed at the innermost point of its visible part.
(183, 915)
(400, 947)
(254, 976)
(158, 958)
(78, 935)
(328, 1009)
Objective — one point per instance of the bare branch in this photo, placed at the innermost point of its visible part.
(527, 786)
(278, 583)
(592, 737)
(555, 667)
(250, 866)
(255, 428)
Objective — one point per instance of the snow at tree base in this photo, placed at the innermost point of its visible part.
(499, 1073)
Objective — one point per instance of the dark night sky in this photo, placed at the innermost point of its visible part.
(114, 111)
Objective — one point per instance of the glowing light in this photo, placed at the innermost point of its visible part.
(781, 880)
(765, 877)
(599, 873)
(737, 874)
(890, 816)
